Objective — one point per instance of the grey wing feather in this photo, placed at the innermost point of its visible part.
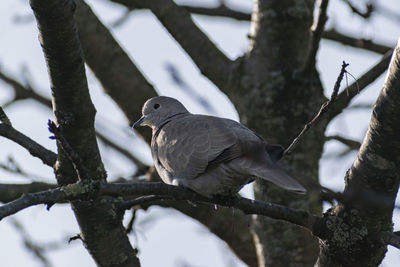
(186, 146)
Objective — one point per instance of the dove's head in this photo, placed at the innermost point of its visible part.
(157, 110)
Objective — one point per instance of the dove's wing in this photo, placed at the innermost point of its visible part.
(186, 146)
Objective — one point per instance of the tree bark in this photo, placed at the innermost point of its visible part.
(354, 229)
(276, 102)
(101, 226)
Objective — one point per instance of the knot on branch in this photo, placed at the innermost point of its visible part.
(84, 190)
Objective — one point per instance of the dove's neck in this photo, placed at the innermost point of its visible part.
(157, 128)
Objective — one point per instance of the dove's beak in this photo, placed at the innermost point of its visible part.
(138, 123)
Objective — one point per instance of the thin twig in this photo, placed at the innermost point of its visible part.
(324, 108)
(75, 159)
(75, 237)
(369, 9)
(345, 97)
(350, 143)
(317, 31)
(129, 227)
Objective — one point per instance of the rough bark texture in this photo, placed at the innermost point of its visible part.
(355, 229)
(275, 102)
(101, 226)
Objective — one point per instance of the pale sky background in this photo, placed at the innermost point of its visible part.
(165, 237)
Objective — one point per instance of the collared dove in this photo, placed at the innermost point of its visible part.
(210, 155)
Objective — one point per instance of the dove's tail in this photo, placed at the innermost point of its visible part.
(279, 177)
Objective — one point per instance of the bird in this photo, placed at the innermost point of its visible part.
(210, 155)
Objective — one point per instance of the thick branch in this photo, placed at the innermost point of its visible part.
(206, 55)
(120, 77)
(248, 206)
(101, 229)
(345, 97)
(375, 171)
(391, 239)
(81, 190)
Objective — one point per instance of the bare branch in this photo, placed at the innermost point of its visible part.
(48, 157)
(212, 63)
(361, 106)
(30, 93)
(350, 143)
(23, 92)
(336, 36)
(391, 239)
(345, 97)
(317, 31)
(102, 230)
(369, 9)
(221, 11)
(9, 192)
(118, 74)
(51, 196)
(324, 108)
(248, 206)
(161, 190)
(141, 200)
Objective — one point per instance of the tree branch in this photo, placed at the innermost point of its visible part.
(211, 62)
(350, 143)
(248, 206)
(345, 97)
(82, 190)
(48, 157)
(23, 92)
(375, 172)
(365, 44)
(317, 31)
(369, 9)
(118, 74)
(101, 228)
(27, 92)
(9, 192)
(51, 196)
(391, 239)
(324, 108)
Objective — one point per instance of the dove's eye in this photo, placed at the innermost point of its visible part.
(156, 106)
